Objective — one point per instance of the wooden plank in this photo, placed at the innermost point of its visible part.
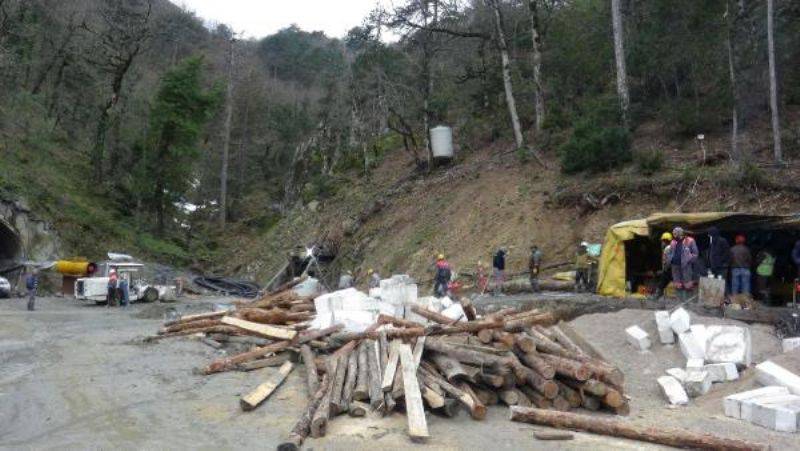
(276, 360)
(419, 347)
(262, 392)
(415, 411)
(266, 330)
(312, 378)
(375, 377)
(391, 367)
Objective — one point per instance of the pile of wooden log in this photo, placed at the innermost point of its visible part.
(514, 357)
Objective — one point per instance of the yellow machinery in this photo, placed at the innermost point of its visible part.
(71, 270)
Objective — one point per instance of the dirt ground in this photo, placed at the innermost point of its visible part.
(77, 376)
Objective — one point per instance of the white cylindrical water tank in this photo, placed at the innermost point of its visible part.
(442, 142)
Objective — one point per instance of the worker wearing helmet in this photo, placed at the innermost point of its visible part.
(583, 265)
(682, 255)
(534, 265)
(442, 277)
(112, 288)
(666, 270)
(741, 263)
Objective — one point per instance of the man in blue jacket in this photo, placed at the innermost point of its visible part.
(32, 284)
(498, 270)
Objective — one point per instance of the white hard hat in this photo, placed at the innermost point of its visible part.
(584, 244)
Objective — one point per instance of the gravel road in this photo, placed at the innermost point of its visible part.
(76, 376)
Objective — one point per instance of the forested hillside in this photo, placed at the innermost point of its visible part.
(134, 125)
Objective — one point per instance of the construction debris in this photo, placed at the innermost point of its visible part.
(415, 353)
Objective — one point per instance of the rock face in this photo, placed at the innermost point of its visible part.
(22, 236)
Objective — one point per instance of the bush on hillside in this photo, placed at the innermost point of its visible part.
(593, 148)
(648, 162)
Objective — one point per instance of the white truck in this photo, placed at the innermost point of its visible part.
(95, 288)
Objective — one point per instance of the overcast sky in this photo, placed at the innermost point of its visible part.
(258, 18)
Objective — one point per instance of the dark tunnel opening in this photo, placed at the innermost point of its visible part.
(10, 246)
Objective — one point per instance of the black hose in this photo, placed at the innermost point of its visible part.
(228, 286)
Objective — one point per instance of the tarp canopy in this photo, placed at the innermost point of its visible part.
(611, 271)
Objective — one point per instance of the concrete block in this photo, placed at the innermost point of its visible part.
(733, 403)
(789, 344)
(354, 320)
(677, 373)
(456, 312)
(722, 372)
(728, 344)
(679, 320)
(748, 406)
(697, 383)
(673, 390)
(700, 335)
(638, 338)
(694, 364)
(665, 333)
(770, 373)
(778, 415)
(690, 347)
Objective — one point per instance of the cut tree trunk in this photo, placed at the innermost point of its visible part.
(302, 428)
(312, 377)
(679, 438)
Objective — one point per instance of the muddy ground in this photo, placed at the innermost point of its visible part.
(77, 376)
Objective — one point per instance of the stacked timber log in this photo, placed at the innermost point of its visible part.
(512, 357)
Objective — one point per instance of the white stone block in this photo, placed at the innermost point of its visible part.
(789, 344)
(697, 383)
(748, 406)
(375, 292)
(446, 302)
(638, 338)
(694, 364)
(354, 320)
(679, 320)
(722, 372)
(673, 390)
(770, 373)
(456, 312)
(665, 333)
(733, 403)
(728, 344)
(699, 332)
(690, 347)
(677, 373)
(778, 415)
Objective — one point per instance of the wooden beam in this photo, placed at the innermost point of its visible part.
(302, 427)
(266, 330)
(276, 360)
(679, 438)
(262, 392)
(415, 411)
(391, 367)
(312, 377)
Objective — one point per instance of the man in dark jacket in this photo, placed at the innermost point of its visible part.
(719, 253)
(741, 262)
(442, 277)
(498, 270)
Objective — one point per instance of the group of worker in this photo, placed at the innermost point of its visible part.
(735, 264)
(443, 272)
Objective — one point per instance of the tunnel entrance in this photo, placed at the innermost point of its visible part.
(10, 247)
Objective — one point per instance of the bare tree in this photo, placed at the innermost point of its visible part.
(619, 57)
(536, 53)
(731, 19)
(126, 28)
(773, 84)
(500, 41)
(226, 139)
